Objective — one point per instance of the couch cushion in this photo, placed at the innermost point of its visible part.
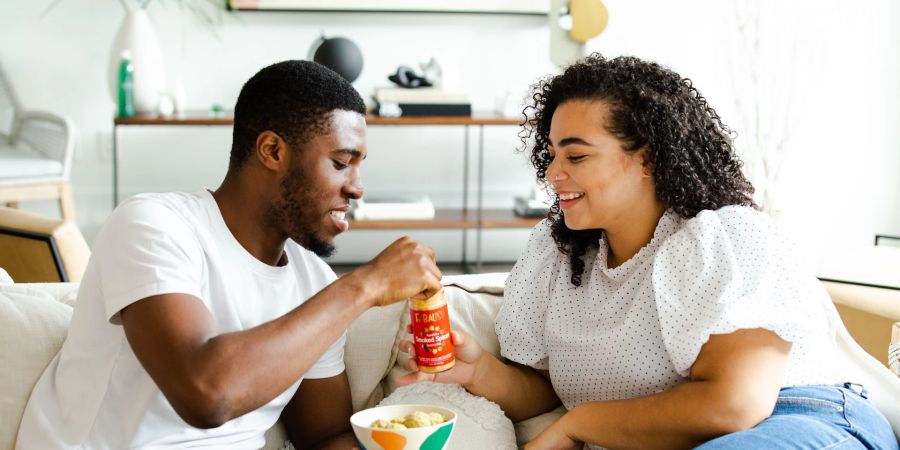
(21, 162)
(369, 352)
(33, 325)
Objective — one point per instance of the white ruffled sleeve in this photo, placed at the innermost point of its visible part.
(526, 295)
(727, 270)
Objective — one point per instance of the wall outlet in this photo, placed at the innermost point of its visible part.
(103, 146)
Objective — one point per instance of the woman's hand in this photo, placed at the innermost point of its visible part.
(555, 437)
(464, 372)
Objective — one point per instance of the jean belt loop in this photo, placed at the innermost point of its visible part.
(858, 388)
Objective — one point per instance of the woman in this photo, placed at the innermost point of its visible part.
(655, 302)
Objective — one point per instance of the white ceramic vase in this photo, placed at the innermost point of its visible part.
(138, 35)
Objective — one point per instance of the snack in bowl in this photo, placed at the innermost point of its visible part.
(415, 420)
(403, 427)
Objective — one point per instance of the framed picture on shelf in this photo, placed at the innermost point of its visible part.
(538, 7)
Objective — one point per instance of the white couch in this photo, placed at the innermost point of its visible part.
(34, 317)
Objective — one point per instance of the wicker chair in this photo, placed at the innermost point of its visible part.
(35, 154)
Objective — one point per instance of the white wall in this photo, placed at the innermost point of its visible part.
(840, 185)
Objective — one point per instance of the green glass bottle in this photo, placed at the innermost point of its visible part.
(126, 86)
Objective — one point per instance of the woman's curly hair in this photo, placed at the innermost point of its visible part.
(694, 164)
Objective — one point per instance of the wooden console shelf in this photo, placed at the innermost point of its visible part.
(453, 218)
(201, 118)
(469, 217)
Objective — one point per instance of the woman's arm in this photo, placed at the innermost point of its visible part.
(734, 384)
(522, 392)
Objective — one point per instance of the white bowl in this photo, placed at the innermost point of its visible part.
(434, 437)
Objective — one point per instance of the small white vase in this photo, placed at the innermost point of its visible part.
(138, 35)
(179, 96)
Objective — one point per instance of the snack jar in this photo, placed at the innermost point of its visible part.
(431, 333)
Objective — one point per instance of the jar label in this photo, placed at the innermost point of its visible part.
(431, 336)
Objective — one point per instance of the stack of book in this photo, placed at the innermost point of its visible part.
(404, 102)
(401, 207)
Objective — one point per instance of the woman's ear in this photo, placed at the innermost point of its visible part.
(643, 156)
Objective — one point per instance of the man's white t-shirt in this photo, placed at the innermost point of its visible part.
(96, 395)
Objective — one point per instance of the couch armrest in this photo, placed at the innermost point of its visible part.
(868, 313)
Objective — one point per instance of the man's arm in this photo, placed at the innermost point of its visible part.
(318, 416)
(210, 378)
(734, 385)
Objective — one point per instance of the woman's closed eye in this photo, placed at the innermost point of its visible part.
(576, 158)
(340, 165)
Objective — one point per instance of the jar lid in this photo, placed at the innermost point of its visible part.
(436, 300)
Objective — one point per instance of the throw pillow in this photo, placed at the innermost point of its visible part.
(370, 352)
(33, 326)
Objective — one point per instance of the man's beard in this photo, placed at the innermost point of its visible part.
(295, 213)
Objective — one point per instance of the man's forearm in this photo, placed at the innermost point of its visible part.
(247, 369)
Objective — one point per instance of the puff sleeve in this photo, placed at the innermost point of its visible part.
(520, 322)
(727, 270)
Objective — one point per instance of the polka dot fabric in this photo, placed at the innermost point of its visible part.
(636, 329)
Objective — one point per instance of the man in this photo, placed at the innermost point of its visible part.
(201, 320)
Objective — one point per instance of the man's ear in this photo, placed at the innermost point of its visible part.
(272, 151)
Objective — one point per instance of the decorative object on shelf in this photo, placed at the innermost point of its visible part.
(400, 207)
(572, 24)
(166, 106)
(338, 54)
(179, 97)
(403, 102)
(125, 86)
(432, 71)
(536, 7)
(407, 77)
(507, 104)
(136, 33)
(216, 110)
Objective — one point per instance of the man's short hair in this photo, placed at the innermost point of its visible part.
(292, 99)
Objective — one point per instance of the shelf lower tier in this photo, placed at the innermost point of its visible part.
(453, 218)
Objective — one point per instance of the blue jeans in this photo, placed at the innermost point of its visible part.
(816, 417)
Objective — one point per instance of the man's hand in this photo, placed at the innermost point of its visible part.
(404, 269)
(468, 354)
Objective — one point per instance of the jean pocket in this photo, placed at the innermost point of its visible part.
(807, 403)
